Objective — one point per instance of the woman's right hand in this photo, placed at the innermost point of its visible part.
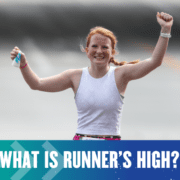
(15, 52)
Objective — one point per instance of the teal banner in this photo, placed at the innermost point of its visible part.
(89, 160)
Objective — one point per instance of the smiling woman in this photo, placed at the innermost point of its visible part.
(99, 52)
(99, 89)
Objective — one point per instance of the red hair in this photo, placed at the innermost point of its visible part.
(109, 34)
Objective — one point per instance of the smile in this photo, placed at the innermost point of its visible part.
(98, 57)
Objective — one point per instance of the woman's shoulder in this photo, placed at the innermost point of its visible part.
(75, 76)
(121, 72)
(75, 73)
(120, 69)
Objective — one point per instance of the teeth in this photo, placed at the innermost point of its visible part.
(99, 57)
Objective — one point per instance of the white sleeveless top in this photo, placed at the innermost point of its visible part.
(99, 104)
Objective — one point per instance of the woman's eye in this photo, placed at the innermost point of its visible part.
(105, 47)
(94, 46)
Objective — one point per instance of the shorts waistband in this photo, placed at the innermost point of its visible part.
(97, 136)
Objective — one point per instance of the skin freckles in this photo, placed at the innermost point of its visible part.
(99, 51)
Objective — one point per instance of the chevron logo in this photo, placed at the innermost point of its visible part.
(21, 172)
(53, 172)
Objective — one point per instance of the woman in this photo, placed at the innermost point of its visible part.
(99, 89)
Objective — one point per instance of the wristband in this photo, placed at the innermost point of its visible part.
(166, 35)
(23, 66)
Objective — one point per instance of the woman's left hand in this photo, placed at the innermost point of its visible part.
(165, 20)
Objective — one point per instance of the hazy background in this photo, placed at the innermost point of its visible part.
(50, 34)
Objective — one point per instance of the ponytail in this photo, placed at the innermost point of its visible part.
(112, 60)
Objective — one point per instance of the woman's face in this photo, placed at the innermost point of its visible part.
(99, 50)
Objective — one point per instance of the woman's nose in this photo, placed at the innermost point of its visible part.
(99, 50)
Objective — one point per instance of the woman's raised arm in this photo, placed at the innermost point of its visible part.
(136, 71)
(55, 83)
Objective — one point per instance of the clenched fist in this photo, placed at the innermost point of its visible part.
(165, 20)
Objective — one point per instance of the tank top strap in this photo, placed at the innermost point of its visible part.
(111, 70)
